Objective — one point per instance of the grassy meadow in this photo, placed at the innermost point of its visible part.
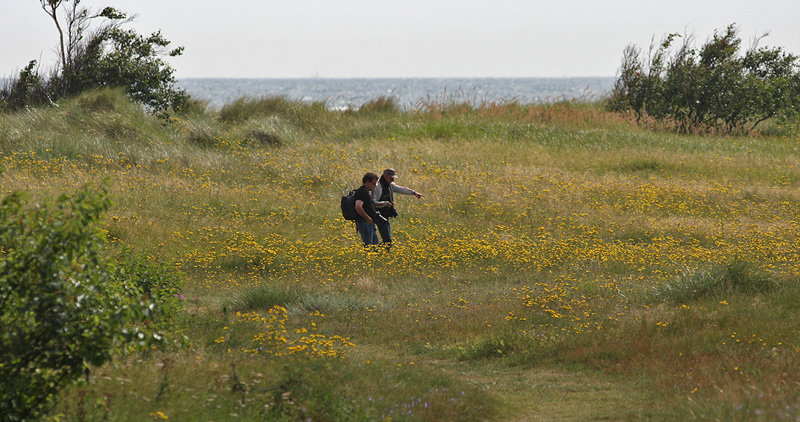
(564, 264)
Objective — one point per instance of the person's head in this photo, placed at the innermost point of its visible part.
(369, 180)
(389, 174)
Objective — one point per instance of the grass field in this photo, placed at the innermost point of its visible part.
(564, 263)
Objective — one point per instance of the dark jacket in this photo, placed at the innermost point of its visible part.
(362, 194)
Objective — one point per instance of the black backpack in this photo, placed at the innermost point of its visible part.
(349, 206)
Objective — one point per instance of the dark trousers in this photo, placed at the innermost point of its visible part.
(385, 229)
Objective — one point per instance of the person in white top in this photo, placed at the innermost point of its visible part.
(383, 199)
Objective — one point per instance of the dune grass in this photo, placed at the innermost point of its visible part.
(564, 263)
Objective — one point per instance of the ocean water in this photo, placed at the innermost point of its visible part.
(409, 92)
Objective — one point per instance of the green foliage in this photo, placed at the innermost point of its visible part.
(27, 89)
(61, 308)
(157, 281)
(123, 58)
(713, 86)
(109, 56)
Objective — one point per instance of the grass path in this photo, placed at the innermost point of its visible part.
(548, 394)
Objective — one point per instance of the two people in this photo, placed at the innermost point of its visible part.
(375, 205)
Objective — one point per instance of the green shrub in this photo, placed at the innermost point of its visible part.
(124, 58)
(155, 280)
(713, 86)
(108, 56)
(61, 308)
(27, 89)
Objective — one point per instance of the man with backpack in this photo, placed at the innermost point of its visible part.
(383, 199)
(367, 216)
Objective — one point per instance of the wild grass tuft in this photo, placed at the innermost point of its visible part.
(482, 348)
(715, 281)
(247, 108)
(314, 117)
(384, 104)
(264, 297)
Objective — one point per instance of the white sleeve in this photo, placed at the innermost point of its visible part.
(402, 189)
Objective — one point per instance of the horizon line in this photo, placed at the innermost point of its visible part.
(395, 77)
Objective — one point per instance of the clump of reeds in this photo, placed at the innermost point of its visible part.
(384, 104)
(716, 281)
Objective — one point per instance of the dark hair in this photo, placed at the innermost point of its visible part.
(369, 177)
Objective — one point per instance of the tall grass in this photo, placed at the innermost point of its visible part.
(263, 297)
(658, 269)
(716, 281)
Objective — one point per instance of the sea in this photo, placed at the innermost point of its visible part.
(409, 93)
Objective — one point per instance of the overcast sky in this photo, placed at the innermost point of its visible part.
(406, 38)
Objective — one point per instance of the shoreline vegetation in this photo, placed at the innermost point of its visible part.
(566, 263)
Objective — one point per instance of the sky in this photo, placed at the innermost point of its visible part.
(406, 38)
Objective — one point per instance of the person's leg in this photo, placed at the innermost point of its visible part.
(385, 228)
(367, 232)
(363, 230)
(374, 240)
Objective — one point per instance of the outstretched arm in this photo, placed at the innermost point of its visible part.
(405, 191)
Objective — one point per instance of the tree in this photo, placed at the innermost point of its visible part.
(108, 55)
(51, 7)
(714, 86)
(119, 57)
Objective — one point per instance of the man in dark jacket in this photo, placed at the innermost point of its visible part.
(367, 216)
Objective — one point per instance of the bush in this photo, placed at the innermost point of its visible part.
(109, 56)
(122, 58)
(151, 279)
(26, 90)
(61, 308)
(714, 86)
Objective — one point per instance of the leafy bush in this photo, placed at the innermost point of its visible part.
(61, 308)
(713, 86)
(109, 56)
(27, 89)
(146, 277)
(118, 57)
